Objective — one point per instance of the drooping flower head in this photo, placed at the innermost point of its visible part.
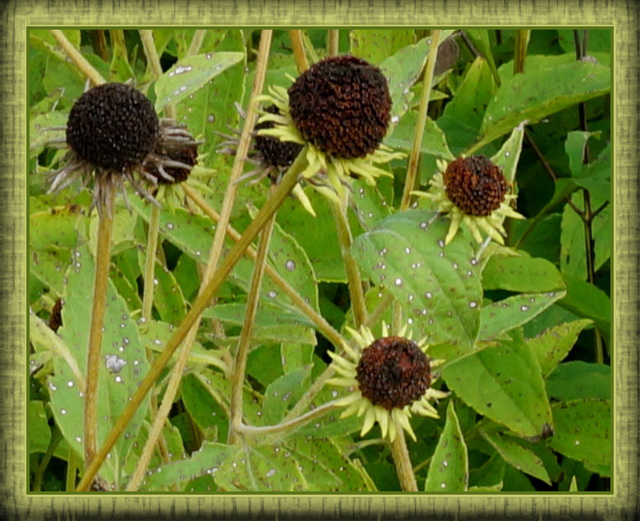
(389, 379)
(474, 192)
(112, 133)
(340, 109)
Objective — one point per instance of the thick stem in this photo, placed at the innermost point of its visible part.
(83, 65)
(244, 342)
(401, 459)
(287, 183)
(101, 282)
(150, 262)
(520, 50)
(196, 42)
(298, 50)
(334, 42)
(418, 133)
(354, 280)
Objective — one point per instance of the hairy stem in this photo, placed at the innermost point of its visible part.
(83, 65)
(196, 42)
(354, 280)
(244, 342)
(287, 183)
(298, 50)
(401, 459)
(100, 285)
(418, 132)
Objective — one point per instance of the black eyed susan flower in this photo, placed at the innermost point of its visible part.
(474, 192)
(340, 109)
(388, 378)
(112, 133)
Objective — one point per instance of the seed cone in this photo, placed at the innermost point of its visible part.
(113, 127)
(475, 185)
(275, 153)
(393, 372)
(342, 106)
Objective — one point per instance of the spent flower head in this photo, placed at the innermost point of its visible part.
(113, 133)
(388, 379)
(475, 193)
(339, 109)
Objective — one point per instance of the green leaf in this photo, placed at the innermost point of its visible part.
(583, 432)
(375, 46)
(588, 301)
(434, 141)
(575, 146)
(39, 430)
(436, 284)
(548, 85)
(402, 70)
(463, 115)
(282, 393)
(519, 457)
(449, 466)
(124, 364)
(553, 344)
(579, 380)
(190, 74)
(503, 383)
(504, 315)
(509, 154)
(480, 39)
(521, 273)
(205, 411)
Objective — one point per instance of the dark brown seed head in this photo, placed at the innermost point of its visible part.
(342, 106)
(187, 154)
(275, 153)
(475, 185)
(112, 127)
(393, 372)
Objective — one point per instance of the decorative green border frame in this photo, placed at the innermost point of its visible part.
(16, 16)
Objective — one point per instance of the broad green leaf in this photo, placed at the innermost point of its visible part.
(463, 114)
(402, 70)
(282, 393)
(554, 343)
(521, 273)
(517, 456)
(50, 266)
(368, 204)
(503, 383)
(326, 468)
(575, 146)
(190, 74)
(435, 284)
(586, 300)
(582, 431)
(579, 380)
(375, 46)
(549, 84)
(449, 467)
(434, 141)
(504, 315)
(295, 355)
(124, 364)
(39, 430)
(167, 295)
(489, 475)
(205, 411)
(54, 229)
(480, 39)
(573, 260)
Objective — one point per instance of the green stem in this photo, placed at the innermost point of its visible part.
(283, 189)
(354, 280)
(196, 42)
(150, 263)
(520, 50)
(244, 342)
(56, 438)
(298, 50)
(319, 321)
(334, 42)
(286, 425)
(83, 65)
(72, 469)
(375, 315)
(100, 285)
(418, 133)
(401, 459)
